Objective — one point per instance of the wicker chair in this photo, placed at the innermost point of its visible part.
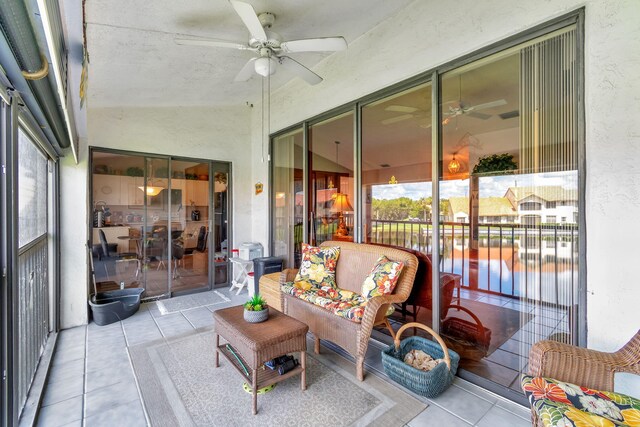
(588, 368)
(354, 264)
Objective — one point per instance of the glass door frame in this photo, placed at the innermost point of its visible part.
(12, 118)
(575, 17)
(210, 238)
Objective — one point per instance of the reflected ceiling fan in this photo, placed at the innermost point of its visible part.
(409, 113)
(268, 46)
(459, 108)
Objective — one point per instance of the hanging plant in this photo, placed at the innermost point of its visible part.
(496, 164)
(134, 171)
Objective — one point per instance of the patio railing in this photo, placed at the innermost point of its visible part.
(537, 262)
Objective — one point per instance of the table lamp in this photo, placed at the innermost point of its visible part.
(341, 204)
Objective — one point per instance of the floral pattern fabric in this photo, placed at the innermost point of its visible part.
(340, 302)
(318, 266)
(383, 278)
(560, 404)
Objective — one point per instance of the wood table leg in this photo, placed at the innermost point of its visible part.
(255, 391)
(303, 375)
(217, 350)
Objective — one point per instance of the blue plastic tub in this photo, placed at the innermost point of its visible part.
(109, 307)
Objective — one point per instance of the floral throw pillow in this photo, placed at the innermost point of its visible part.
(318, 267)
(383, 278)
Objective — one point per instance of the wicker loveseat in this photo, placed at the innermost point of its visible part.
(573, 386)
(354, 264)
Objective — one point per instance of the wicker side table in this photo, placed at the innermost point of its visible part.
(252, 344)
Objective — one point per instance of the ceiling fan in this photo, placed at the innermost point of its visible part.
(459, 108)
(409, 113)
(268, 46)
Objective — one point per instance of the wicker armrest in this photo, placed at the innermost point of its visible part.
(374, 304)
(288, 275)
(588, 368)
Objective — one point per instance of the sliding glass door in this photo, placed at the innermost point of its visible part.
(396, 169)
(331, 183)
(220, 222)
(32, 290)
(509, 197)
(287, 197)
(159, 223)
(190, 225)
(492, 146)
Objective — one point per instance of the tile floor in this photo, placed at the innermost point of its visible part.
(91, 382)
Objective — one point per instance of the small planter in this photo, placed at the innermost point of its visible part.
(256, 316)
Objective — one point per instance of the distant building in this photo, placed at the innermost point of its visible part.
(550, 204)
(492, 210)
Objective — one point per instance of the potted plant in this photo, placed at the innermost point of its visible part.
(497, 164)
(256, 310)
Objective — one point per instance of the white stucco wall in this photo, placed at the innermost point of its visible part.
(429, 33)
(73, 238)
(206, 133)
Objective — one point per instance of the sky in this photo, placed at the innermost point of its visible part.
(490, 186)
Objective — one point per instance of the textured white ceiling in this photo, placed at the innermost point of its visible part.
(134, 61)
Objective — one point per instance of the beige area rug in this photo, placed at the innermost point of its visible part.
(181, 387)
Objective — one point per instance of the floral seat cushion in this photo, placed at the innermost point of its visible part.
(340, 302)
(560, 404)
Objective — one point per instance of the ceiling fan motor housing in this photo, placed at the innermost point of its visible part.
(273, 41)
(267, 19)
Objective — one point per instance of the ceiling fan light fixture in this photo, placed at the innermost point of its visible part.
(265, 66)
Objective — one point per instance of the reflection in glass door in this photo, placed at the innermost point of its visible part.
(509, 206)
(331, 181)
(397, 188)
(190, 225)
(220, 223)
(287, 197)
(118, 220)
(156, 227)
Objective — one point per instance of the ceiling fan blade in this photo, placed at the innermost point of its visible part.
(325, 44)
(250, 19)
(496, 103)
(246, 72)
(481, 116)
(299, 70)
(396, 119)
(401, 109)
(202, 41)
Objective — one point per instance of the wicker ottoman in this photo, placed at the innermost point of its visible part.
(270, 290)
(252, 344)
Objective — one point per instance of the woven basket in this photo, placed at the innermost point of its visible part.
(470, 340)
(425, 383)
